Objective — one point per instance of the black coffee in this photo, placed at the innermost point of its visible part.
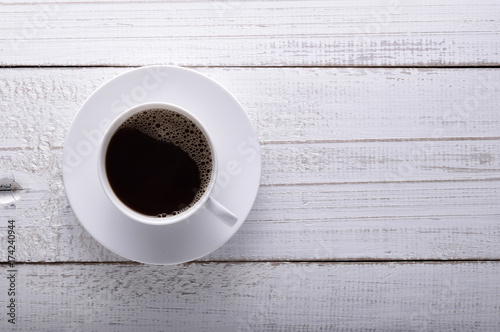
(159, 163)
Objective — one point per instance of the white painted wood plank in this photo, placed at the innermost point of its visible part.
(317, 163)
(258, 297)
(251, 33)
(285, 104)
(437, 220)
(379, 162)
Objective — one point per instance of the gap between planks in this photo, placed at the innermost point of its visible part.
(274, 262)
(479, 66)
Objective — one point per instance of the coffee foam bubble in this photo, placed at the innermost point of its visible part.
(172, 127)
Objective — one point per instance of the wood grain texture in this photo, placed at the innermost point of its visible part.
(290, 105)
(251, 33)
(333, 163)
(367, 221)
(258, 297)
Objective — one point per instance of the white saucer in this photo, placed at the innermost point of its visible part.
(234, 138)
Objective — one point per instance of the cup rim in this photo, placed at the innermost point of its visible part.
(101, 166)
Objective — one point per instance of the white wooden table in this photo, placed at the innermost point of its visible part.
(379, 125)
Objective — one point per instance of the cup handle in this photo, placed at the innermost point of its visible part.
(220, 211)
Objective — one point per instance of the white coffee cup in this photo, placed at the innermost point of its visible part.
(206, 201)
